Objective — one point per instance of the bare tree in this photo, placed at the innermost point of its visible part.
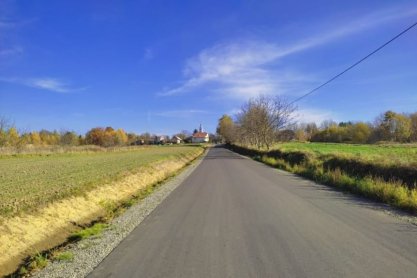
(261, 118)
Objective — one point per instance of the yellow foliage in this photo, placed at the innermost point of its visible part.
(35, 139)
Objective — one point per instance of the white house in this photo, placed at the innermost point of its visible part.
(176, 140)
(160, 140)
(200, 136)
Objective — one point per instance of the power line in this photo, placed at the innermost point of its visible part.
(355, 64)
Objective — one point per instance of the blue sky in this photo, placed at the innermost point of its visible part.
(165, 66)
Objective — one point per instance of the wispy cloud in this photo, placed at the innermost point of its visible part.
(309, 115)
(179, 113)
(243, 69)
(10, 24)
(45, 83)
(50, 84)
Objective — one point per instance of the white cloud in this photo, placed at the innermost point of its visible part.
(236, 69)
(50, 84)
(308, 115)
(242, 69)
(45, 83)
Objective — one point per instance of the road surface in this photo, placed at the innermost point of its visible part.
(234, 217)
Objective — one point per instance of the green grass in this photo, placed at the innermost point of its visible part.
(94, 230)
(393, 193)
(28, 182)
(65, 256)
(405, 154)
(39, 261)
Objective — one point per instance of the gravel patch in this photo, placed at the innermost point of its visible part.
(89, 252)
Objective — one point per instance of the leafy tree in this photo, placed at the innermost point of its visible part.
(413, 119)
(69, 138)
(4, 126)
(121, 137)
(359, 132)
(345, 124)
(96, 136)
(49, 138)
(226, 129)
(25, 139)
(311, 129)
(394, 127)
(132, 138)
(35, 138)
(12, 137)
(300, 135)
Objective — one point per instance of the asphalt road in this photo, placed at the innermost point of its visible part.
(234, 217)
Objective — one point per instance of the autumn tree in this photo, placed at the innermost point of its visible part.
(106, 137)
(12, 137)
(35, 138)
(95, 136)
(413, 120)
(120, 137)
(4, 126)
(49, 137)
(226, 129)
(359, 132)
(392, 126)
(69, 138)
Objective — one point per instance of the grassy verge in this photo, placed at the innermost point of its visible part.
(394, 192)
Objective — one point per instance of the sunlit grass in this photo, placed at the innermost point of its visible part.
(392, 192)
(404, 154)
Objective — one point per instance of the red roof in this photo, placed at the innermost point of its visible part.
(200, 135)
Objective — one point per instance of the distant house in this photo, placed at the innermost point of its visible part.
(138, 142)
(200, 136)
(176, 140)
(160, 140)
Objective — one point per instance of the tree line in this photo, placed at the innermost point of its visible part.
(264, 120)
(100, 136)
(390, 126)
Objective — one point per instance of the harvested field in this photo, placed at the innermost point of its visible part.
(30, 181)
(83, 188)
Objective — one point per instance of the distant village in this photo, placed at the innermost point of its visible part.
(100, 136)
(198, 136)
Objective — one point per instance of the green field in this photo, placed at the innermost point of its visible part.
(30, 181)
(387, 154)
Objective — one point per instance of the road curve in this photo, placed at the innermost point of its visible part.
(234, 217)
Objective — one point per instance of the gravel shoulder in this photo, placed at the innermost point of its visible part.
(89, 252)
